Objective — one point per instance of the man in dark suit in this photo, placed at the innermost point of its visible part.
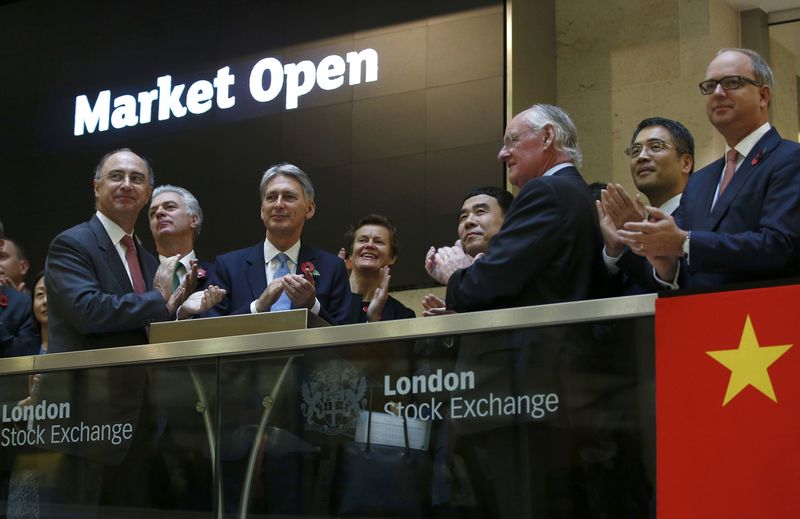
(548, 248)
(103, 290)
(481, 216)
(175, 223)
(280, 273)
(182, 470)
(739, 218)
(19, 333)
(661, 159)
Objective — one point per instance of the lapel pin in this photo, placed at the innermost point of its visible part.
(757, 158)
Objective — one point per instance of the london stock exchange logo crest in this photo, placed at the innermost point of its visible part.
(332, 397)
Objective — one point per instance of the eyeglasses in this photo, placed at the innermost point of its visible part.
(708, 86)
(137, 179)
(652, 146)
(511, 141)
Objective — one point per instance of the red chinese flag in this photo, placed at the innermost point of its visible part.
(728, 404)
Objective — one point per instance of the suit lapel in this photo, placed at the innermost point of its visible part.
(255, 271)
(145, 262)
(306, 254)
(108, 251)
(751, 166)
(707, 187)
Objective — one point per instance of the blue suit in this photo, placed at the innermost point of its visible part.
(91, 304)
(243, 274)
(547, 251)
(19, 332)
(753, 231)
(90, 300)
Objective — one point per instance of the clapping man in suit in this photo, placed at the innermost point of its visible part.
(661, 159)
(548, 248)
(281, 273)
(481, 216)
(182, 461)
(739, 217)
(175, 222)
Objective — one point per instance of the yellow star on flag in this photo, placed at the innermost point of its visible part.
(749, 363)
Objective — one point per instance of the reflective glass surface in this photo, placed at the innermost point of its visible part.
(553, 421)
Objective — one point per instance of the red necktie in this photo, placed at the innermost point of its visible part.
(730, 169)
(133, 265)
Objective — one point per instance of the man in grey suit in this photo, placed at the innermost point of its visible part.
(104, 290)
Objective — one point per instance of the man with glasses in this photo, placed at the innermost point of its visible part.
(739, 217)
(103, 287)
(661, 156)
(548, 248)
(103, 290)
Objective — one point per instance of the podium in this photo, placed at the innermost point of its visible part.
(234, 325)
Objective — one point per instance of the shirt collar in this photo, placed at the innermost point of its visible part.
(270, 251)
(670, 205)
(746, 145)
(113, 230)
(558, 167)
(183, 261)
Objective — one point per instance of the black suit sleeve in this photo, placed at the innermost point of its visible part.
(19, 332)
(522, 250)
(336, 307)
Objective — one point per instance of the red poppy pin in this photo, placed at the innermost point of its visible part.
(3, 301)
(309, 271)
(757, 158)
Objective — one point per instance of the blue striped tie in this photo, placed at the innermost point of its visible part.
(283, 302)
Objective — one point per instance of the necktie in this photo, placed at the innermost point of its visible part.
(133, 265)
(176, 276)
(283, 302)
(730, 169)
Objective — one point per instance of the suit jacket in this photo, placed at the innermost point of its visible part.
(90, 299)
(393, 310)
(634, 276)
(547, 251)
(19, 335)
(19, 331)
(91, 304)
(243, 274)
(752, 233)
(205, 273)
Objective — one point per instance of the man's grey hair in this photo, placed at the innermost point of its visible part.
(290, 170)
(762, 72)
(540, 115)
(192, 205)
(151, 175)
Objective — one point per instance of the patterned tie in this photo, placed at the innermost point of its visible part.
(133, 265)
(730, 169)
(283, 302)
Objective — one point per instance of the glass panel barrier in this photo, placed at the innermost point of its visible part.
(532, 412)
(554, 421)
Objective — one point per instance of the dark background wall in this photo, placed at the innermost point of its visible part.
(407, 146)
